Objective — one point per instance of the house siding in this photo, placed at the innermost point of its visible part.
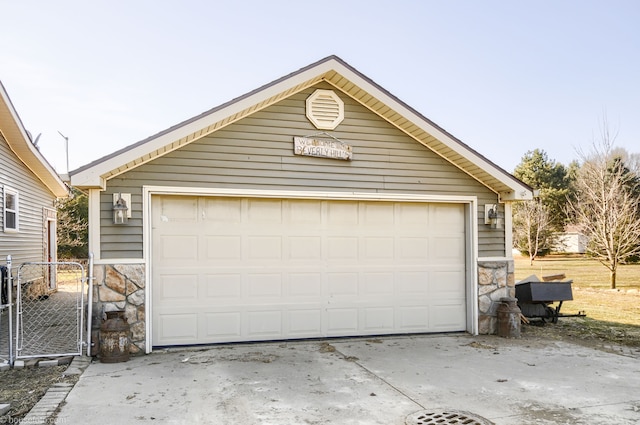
(257, 153)
(28, 244)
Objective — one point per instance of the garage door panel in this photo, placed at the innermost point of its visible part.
(176, 247)
(264, 285)
(342, 321)
(377, 248)
(177, 209)
(413, 216)
(264, 211)
(342, 214)
(378, 214)
(307, 213)
(378, 319)
(377, 284)
(412, 283)
(222, 211)
(305, 248)
(413, 249)
(305, 285)
(174, 287)
(447, 217)
(413, 318)
(447, 282)
(447, 316)
(446, 248)
(265, 323)
(340, 248)
(305, 322)
(223, 248)
(264, 248)
(223, 325)
(342, 284)
(177, 328)
(223, 287)
(252, 269)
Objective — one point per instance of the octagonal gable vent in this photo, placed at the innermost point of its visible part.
(325, 109)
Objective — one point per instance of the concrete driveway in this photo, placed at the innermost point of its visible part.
(391, 380)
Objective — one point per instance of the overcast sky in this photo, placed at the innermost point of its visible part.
(505, 77)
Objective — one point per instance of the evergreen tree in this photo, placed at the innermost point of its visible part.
(73, 226)
(553, 181)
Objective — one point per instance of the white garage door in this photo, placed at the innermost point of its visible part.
(249, 269)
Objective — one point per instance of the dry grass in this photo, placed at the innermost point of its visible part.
(612, 315)
(585, 272)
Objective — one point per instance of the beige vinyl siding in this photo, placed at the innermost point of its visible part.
(28, 243)
(257, 153)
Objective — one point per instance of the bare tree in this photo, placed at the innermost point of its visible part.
(607, 205)
(532, 228)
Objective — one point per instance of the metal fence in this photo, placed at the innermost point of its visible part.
(49, 309)
(45, 309)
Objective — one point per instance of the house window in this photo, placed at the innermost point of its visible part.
(10, 210)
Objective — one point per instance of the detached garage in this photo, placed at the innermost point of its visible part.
(318, 205)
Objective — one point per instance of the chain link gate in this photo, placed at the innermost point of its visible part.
(49, 309)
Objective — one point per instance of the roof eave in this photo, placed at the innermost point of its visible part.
(338, 73)
(416, 125)
(95, 174)
(20, 143)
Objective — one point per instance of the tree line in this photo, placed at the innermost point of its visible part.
(598, 195)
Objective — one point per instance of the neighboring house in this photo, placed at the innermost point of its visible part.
(317, 205)
(29, 187)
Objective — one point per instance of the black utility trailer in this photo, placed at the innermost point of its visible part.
(535, 297)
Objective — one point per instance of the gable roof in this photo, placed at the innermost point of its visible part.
(20, 143)
(343, 77)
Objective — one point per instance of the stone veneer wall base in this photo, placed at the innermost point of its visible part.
(495, 280)
(121, 287)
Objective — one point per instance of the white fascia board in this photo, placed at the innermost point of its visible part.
(89, 178)
(92, 177)
(27, 152)
(519, 191)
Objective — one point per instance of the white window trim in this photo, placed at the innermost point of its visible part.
(16, 211)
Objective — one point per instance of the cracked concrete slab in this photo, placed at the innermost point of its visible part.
(363, 381)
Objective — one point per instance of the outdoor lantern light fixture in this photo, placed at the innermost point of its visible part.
(491, 216)
(121, 211)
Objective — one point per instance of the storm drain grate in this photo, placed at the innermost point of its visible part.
(428, 417)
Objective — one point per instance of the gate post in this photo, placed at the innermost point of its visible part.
(10, 302)
(90, 279)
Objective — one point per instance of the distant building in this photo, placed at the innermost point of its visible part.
(571, 241)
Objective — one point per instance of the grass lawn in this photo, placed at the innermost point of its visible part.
(585, 272)
(612, 315)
